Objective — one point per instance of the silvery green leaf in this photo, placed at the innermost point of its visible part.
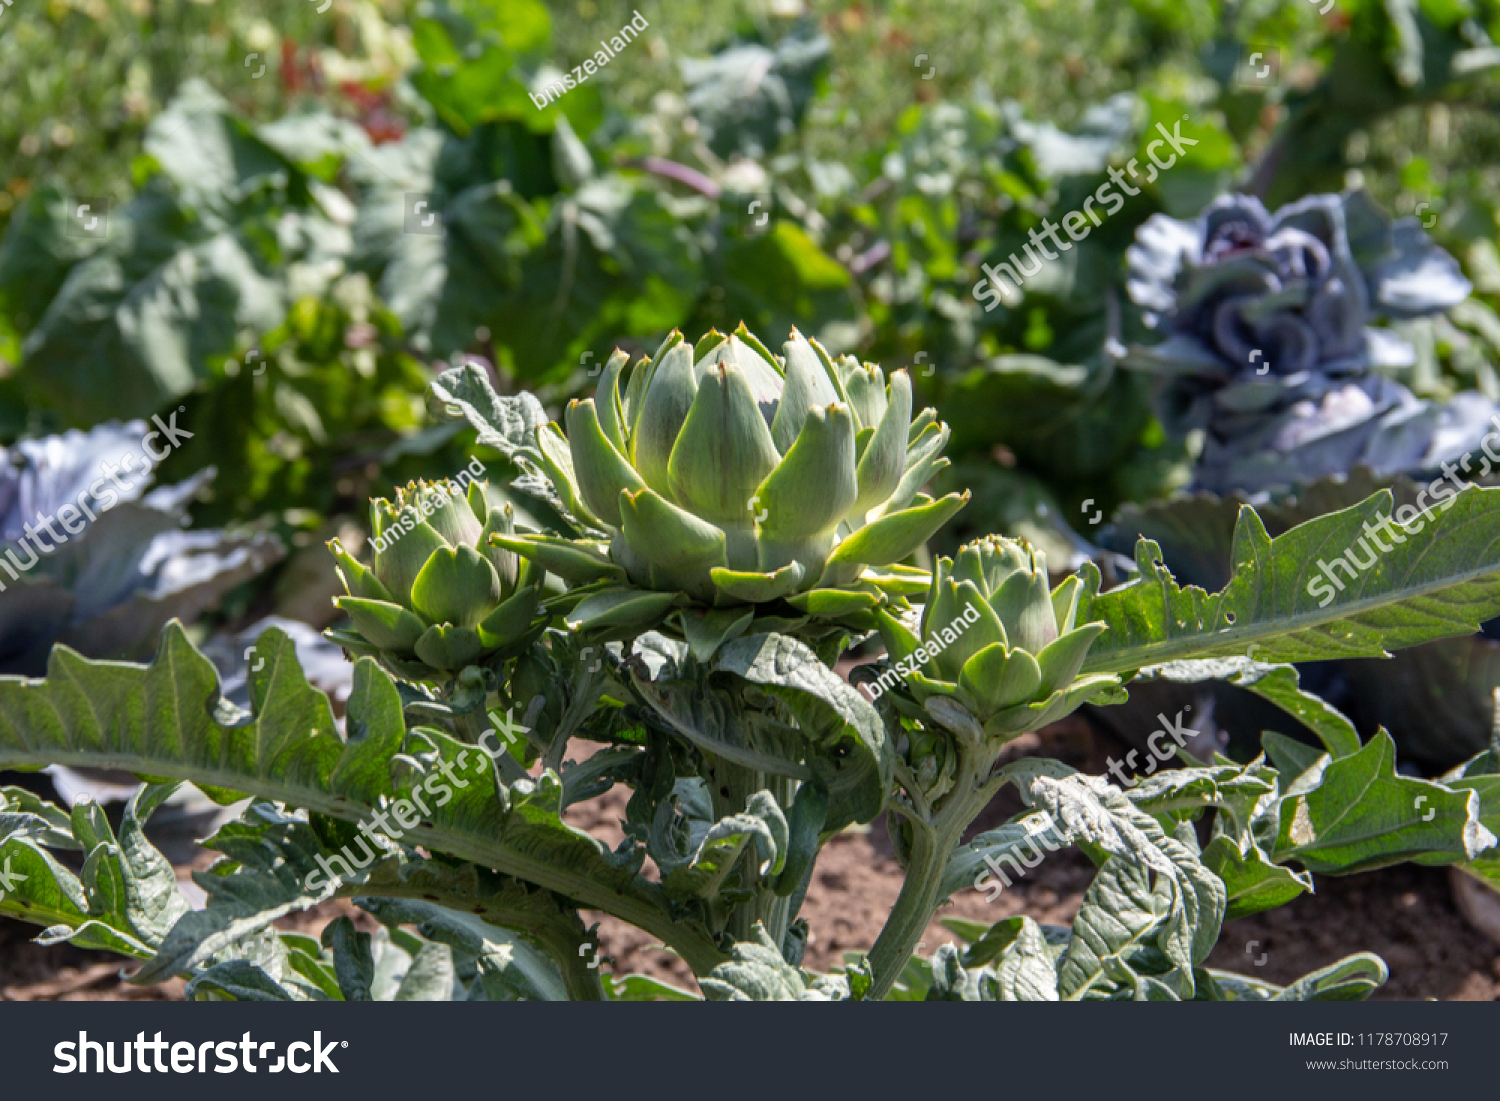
(508, 424)
(951, 981)
(160, 721)
(1238, 792)
(242, 981)
(1025, 971)
(353, 959)
(1351, 979)
(1020, 965)
(125, 899)
(1013, 842)
(431, 976)
(756, 972)
(1121, 910)
(510, 969)
(1152, 874)
(698, 865)
(853, 757)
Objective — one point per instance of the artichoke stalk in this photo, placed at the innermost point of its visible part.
(995, 639)
(440, 596)
(723, 476)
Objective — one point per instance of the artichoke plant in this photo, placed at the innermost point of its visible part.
(440, 596)
(724, 476)
(1269, 343)
(996, 639)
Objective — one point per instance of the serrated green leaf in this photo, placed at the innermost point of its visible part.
(430, 978)
(1437, 583)
(509, 968)
(756, 972)
(353, 962)
(1024, 971)
(1150, 876)
(160, 721)
(1364, 815)
(1251, 881)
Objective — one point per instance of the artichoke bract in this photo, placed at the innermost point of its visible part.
(724, 475)
(440, 595)
(996, 639)
(1270, 345)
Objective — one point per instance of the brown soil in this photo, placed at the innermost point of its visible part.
(1405, 915)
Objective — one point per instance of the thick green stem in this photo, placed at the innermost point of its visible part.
(580, 971)
(765, 906)
(914, 908)
(933, 843)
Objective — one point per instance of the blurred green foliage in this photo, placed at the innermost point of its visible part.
(844, 167)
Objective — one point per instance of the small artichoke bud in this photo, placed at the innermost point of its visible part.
(439, 596)
(995, 638)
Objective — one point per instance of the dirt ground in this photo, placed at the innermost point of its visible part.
(1406, 915)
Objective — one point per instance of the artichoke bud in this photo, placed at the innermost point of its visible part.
(439, 596)
(731, 475)
(995, 638)
(933, 760)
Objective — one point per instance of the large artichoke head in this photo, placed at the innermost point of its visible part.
(996, 639)
(440, 595)
(725, 475)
